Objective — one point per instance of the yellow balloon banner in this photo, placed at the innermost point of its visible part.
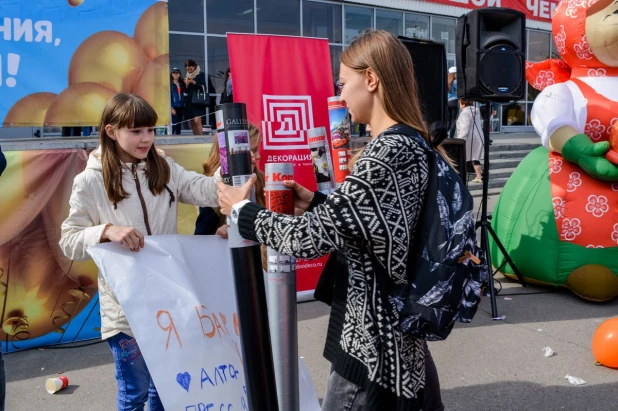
(153, 85)
(152, 31)
(119, 58)
(41, 290)
(108, 58)
(82, 103)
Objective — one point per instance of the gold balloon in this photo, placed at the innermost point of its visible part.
(109, 58)
(75, 3)
(29, 110)
(79, 104)
(38, 297)
(29, 181)
(84, 273)
(153, 86)
(152, 31)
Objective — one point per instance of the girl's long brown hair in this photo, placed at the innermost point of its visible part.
(213, 162)
(397, 89)
(126, 110)
(451, 77)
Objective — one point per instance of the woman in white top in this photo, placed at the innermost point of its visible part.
(470, 128)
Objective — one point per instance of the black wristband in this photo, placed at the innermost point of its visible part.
(318, 198)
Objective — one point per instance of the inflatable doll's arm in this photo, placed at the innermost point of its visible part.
(554, 110)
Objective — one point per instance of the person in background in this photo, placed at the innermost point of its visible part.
(127, 170)
(372, 217)
(177, 93)
(470, 128)
(453, 105)
(227, 96)
(210, 221)
(71, 132)
(196, 81)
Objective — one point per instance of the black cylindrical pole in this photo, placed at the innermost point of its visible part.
(247, 265)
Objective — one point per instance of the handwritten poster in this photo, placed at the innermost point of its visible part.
(178, 295)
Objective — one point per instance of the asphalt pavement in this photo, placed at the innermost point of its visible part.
(485, 365)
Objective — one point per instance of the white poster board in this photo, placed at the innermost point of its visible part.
(178, 295)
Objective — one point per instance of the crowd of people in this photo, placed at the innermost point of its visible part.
(192, 98)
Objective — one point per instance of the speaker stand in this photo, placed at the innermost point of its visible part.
(485, 227)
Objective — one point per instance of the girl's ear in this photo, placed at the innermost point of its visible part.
(371, 79)
(110, 131)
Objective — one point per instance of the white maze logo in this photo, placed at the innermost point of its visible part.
(286, 121)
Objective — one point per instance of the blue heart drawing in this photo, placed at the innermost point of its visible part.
(184, 380)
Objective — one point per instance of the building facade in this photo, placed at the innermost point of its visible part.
(198, 29)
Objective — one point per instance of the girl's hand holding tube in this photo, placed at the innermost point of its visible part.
(302, 196)
(228, 195)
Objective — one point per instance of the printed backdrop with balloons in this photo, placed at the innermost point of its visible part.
(61, 60)
(45, 298)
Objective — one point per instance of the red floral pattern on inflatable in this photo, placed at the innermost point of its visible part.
(585, 209)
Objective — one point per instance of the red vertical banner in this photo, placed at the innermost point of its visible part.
(285, 83)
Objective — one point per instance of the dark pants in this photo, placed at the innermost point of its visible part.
(342, 395)
(71, 131)
(362, 130)
(453, 112)
(177, 120)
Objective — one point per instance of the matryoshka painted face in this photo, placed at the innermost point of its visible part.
(602, 31)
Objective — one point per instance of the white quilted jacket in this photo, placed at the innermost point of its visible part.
(91, 211)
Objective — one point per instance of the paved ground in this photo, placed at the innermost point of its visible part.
(486, 365)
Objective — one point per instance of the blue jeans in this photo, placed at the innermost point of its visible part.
(135, 385)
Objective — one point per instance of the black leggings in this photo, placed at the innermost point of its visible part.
(453, 112)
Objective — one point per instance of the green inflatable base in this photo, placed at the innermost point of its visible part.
(523, 219)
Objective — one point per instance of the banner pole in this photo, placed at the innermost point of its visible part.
(281, 276)
(255, 342)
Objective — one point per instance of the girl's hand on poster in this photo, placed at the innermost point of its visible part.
(222, 231)
(129, 237)
(228, 196)
(302, 196)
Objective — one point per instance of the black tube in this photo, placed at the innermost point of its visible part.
(247, 266)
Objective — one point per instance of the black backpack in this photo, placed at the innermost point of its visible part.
(446, 268)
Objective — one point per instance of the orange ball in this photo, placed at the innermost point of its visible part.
(75, 3)
(153, 86)
(29, 110)
(605, 343)
(79, 104)
(152, 30)
(109, 58)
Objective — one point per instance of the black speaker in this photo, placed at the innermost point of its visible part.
(429, 59)
(491, 53)
(456, 150)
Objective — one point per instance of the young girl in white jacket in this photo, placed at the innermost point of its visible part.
(128, 190)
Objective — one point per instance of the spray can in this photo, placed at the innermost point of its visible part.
(321, 160)
(340, 138)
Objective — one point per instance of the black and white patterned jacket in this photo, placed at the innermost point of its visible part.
(372, 217)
